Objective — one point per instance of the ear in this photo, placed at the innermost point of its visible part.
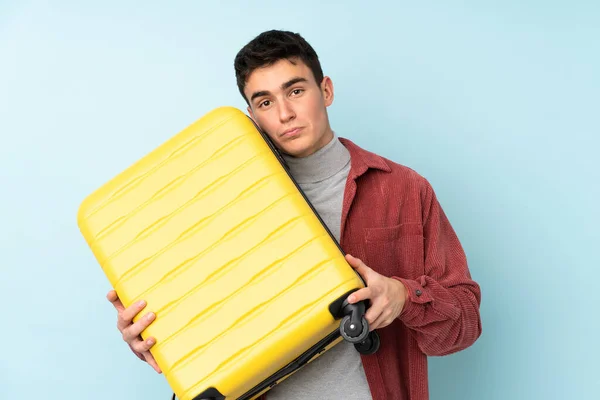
(251, 114)
(253, 118)
(327, 90)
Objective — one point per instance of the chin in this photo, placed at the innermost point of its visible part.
(297, 147)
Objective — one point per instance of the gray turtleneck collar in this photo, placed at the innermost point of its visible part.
(321, 165)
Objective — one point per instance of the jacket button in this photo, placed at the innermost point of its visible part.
(418, 292)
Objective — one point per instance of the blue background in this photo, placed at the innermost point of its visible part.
(496, 103)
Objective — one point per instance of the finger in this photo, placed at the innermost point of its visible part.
(355, 262)
(137, 353)
(114, 299)
(152, 362)
(142, 346)
(359, 266)
(374, 313)
(360, 295)
(112, 295)
(126, 317)
(134, 330)
(381, 322)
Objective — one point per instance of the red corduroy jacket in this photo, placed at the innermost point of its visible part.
(391, 220)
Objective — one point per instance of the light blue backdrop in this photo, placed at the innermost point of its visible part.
(496, 103)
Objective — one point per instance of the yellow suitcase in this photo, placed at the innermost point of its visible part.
(247, 283)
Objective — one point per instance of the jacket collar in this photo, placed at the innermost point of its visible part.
(362, 160)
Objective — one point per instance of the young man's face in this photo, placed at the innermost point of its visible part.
(287, 103)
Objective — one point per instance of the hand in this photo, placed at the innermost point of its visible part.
(387, 295)
(131, 331)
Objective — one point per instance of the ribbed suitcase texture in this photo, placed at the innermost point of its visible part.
(211, 231)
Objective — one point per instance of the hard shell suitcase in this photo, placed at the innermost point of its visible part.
(246, 281)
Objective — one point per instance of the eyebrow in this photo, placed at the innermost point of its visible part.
(284, 86)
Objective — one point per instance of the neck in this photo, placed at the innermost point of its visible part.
(328, 160)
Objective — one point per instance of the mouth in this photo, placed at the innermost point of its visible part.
(291, 132)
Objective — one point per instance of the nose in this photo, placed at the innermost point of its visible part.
(286, 111)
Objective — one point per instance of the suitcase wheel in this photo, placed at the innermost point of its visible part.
(353, 331)
(370, 344)
(354, 327)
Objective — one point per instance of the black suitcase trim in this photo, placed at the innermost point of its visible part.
(275, 151)
(293, 366)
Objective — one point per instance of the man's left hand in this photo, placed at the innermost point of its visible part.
(387, 295)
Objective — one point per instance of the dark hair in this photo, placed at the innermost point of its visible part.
(268, 48)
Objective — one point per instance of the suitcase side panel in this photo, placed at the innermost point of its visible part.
(225, 250)
(130, 188)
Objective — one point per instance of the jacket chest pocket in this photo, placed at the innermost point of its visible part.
(396, 250)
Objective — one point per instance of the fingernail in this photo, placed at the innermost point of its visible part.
(351, 299)
(141, 303)
(150, 341)
(150, 316)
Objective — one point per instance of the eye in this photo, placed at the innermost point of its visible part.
(297, 91)
(264, 103)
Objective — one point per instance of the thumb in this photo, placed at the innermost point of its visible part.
(114, 299)
(358, 265)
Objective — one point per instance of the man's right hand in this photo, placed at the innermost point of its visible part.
(131, 331)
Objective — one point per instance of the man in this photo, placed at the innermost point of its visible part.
(422, 299)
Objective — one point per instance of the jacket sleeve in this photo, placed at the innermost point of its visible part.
(442, 306)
